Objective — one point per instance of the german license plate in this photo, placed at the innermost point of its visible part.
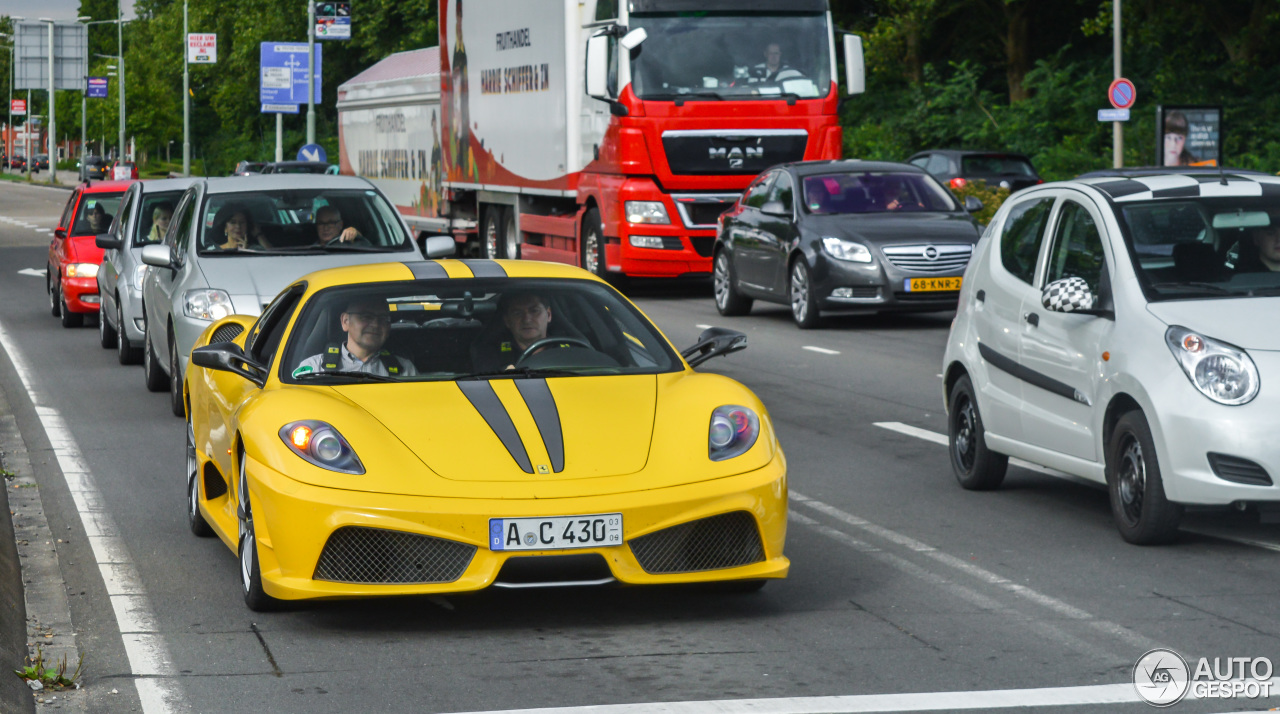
(926, 285)
(556, 532)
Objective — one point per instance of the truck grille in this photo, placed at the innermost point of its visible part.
(355, 554)
(226, 333)
(929, 258)
(725, 541)
(702, 210)
(728, 152)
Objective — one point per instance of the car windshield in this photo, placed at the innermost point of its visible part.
(875, 192)
(472, 329)
(299, 168)
(1205, 248)
(996, 165)
(276, 221)
(713, 55)
(95, 214)
(153, 221)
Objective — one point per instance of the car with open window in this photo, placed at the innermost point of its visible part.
(1125, 329)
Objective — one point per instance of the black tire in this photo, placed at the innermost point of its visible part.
(1142, 513)
(492, 232)
(176, 401)
(69, 319)
(125, 352)
(199, 526)
(154, 377)
(106, 333)
(591, 248)
(55, 299)
(255, 598)
(804, 308)
(729, 301)
(511, 235)
(976, 467)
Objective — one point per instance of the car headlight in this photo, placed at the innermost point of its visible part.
(139, 272)
(733, 431)
(320, 444)
(206, 304)
(1222, 372)
(646, 212)
(842, 249)
(82, 270)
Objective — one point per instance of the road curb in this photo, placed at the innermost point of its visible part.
(14, 695)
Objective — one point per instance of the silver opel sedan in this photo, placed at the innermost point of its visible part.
(142, 220)
(234, 243)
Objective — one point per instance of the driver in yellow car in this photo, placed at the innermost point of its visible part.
(526, 317)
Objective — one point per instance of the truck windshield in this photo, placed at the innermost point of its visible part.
(715, 56)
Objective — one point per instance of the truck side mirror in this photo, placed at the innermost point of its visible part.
(632, 39)
(598, 67)
(855, 71)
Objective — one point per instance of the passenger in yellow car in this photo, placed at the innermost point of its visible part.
(367, 324)
(526, 317)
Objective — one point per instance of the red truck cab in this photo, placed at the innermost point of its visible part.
(72, 277)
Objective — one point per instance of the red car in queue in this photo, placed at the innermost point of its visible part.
(72, 277)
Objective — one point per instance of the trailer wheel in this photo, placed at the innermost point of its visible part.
(591, 246)
(494, 232)
(511, 235)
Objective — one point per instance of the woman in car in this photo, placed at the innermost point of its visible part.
(234, 229)
(160, 216)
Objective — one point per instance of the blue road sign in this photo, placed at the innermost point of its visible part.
(283, 73)
(1113, 115)
(96, 87)
(279, 109)
(312, 152)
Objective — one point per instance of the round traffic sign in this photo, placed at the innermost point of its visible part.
(1122, 94)
(312, 152)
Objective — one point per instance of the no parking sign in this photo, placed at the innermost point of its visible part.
(1122, 94)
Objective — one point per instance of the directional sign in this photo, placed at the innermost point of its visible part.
(312, 152)
(283, 77)
(1113, 115)
(18, 106)
(202, 48)
(279, 109)
(1121, 94)
(96, 87)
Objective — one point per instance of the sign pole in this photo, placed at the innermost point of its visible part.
(1117, 135)
(84, 128)
(311, 71)
(53, 123)
(279, 137)
(120, 52)
(186, 98)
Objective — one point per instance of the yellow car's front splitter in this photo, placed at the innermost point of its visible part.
(295, 521)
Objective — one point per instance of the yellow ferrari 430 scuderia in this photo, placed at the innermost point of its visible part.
(444, 426)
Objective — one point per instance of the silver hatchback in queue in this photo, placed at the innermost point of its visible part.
(234, 243)
(142, 220)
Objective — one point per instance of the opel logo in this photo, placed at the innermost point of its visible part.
(931, 253)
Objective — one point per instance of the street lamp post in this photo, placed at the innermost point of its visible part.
(186, 98)
(53, 120)
(311, 71)
(120, 51)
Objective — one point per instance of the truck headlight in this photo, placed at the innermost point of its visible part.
(842, 249)
(1222, 372)
(646, 212)
(206, 304)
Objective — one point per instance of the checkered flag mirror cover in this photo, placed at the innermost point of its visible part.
(1067, 295)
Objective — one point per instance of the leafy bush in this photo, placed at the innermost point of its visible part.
(992, 198)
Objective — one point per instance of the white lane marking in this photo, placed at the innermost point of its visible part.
(821, 350)
(34, 272)
(1048, 602)
(44, 230)
(703, 327)
(145, 648)
(913, 702)
(941, 439)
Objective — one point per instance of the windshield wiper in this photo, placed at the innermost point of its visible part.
(335, 245)
(1205, 287)
(345, 373)
(519, 372)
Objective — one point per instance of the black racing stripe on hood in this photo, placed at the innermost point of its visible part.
(485, 269)
(537, 396)
(427, 270)
(485, 401)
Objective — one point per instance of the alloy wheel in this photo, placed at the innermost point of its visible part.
(247, 540)
(491, 239)
(193, 487)
(591, 251)
(799, 291)
(720, 275)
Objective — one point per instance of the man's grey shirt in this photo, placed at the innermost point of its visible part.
(349, 363)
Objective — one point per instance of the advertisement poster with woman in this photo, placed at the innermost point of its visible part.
(1189, 136)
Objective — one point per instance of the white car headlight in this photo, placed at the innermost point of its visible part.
(646, 212)
(139, 273)
(842, 249)
(733, 432)
(82, 270)
(320, 444)
(1222, 372)
(206, 304)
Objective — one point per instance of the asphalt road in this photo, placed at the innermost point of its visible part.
(900, 583)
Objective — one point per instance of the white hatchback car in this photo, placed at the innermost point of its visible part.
(1126, 329)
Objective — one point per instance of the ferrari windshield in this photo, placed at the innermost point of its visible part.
(713, 55)
(1205, 247)
(278, 221)
(471, 329)
(875, 192)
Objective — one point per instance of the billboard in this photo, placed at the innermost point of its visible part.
(1189, 136)
(31, 55)
(18, 107)
(202, 48)
(333, 20)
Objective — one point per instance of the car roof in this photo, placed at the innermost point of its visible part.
(298, 163)
(445, 269)
(810, 168)
(960, 153)
(276, 182)
(169, 184)
(1134, 171)
(105, 186)
(1183, 185)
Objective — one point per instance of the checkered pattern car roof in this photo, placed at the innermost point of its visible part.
(1158, 186)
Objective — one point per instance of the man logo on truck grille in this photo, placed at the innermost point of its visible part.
(735, 155)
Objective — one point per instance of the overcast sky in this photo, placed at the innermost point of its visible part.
(57, 9)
